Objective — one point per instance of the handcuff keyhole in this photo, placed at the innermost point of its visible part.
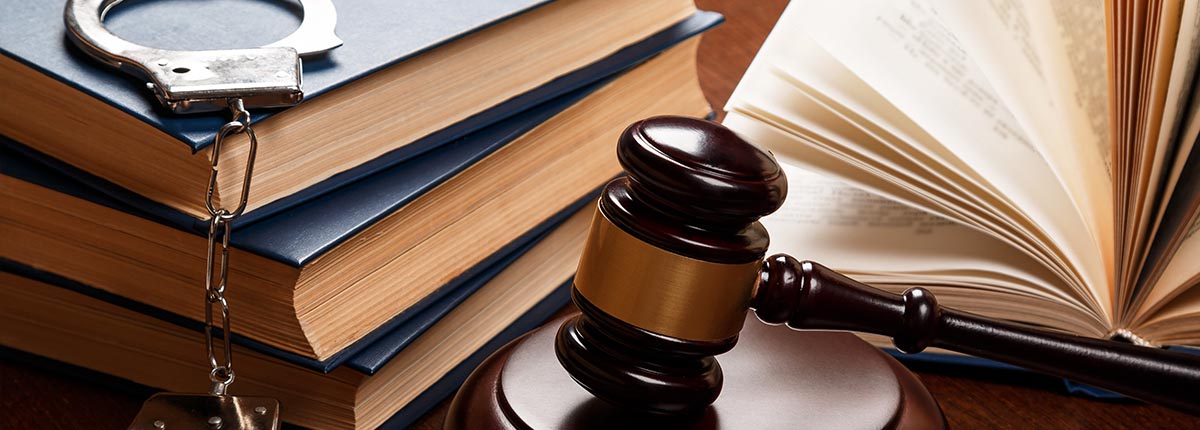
(181, 70)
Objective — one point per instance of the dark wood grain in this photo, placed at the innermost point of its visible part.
(31, 398)
(727, 50)
(807, 295)
(522, 387)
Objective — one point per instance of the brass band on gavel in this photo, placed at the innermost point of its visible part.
(660, 291)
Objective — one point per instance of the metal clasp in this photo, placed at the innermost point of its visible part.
(171, 411)
(205, 81)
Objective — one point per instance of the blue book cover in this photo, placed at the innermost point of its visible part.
(442, 389)
(327, 221)
(377, 34)
(370, 353)
(332, 218)
(503, 118)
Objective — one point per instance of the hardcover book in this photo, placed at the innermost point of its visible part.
(411, 76)
(333, 270)
(1045, 173)
(389, 384)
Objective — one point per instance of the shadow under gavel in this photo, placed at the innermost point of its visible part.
(674, 259)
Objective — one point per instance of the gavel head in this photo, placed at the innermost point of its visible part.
(670, 265)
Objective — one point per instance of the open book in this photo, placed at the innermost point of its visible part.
(1033, 161)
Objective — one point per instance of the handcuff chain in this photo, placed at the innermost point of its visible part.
(216, 273)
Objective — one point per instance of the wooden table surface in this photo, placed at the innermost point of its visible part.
(31, 398)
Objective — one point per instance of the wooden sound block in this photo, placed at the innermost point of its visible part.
(774, 379)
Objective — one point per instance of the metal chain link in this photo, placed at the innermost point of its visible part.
(216, 273)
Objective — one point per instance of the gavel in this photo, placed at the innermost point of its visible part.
(674, 260)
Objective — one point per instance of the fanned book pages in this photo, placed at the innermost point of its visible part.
(1033, 161)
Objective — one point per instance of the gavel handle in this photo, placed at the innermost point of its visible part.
(807, 295)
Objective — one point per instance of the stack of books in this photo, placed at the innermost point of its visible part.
(424, 205)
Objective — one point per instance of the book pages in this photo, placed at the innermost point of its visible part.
(1150, 151)
(1189, 133)
(1177, 294)
(805, 92)
(1180, 126)
(1181, 273)
(1127, 28)
(902, 54)
(1185, 126)
(895, 246)
(1170, 268)
(1046, 61)
(854, 170)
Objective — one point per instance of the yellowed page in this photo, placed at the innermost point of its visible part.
(886, 242)
(1180, 274)
(884, 153)
(903, 54)
(775, 99)
(797, 81)
(1180, 122)
(1151, 146)
(802, 125)
(828, 100)
(902, 51)
(821, 157)
(1186, 142)
(1130, 25)
(1046, 61)
(1176, 317)
(1175, 325)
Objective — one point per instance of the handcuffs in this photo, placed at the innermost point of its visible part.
(204, 81)
(189, 82)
